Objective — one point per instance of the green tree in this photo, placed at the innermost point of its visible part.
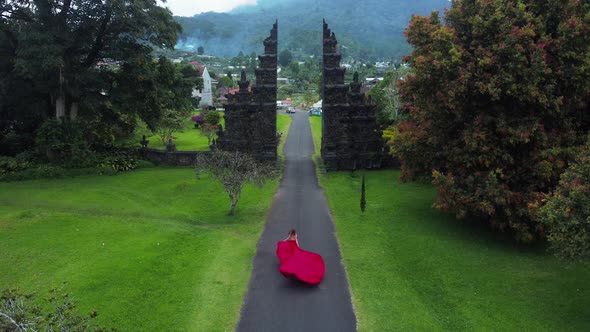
(209, 130)
(294, 68)
(170, 123)
(212, 118)
(234, 170)
(200, 50)
(58, 43)
(285, 58)
(497, 101)
(51, 51)
(386, 96)
(226, 81)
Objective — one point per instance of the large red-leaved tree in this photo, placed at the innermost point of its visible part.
(497, 102)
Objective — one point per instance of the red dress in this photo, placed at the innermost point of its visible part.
(304, 265)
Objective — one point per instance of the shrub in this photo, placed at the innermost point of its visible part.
(144, 164)
(212, 118)
(198, 120)
(23, 312)
(566, 212)
(120, 161)
(13, 143)
(63, 142)
(9, 165)
(34, 173)
(210, 131)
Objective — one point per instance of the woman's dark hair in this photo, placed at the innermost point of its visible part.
(292, 232)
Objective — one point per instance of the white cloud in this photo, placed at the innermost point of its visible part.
(192, 7)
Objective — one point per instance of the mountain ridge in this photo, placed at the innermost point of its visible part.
(370, 30)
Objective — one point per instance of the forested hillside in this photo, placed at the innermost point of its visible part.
(370, 29)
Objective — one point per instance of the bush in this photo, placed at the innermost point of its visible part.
(198, 120)
(566, 212)
(9, 165)
(63, 142)
(144, 164)
(120, 161)
(13, 143)
(34, 173)
(29, 156)
(212, 118)
(23, 312)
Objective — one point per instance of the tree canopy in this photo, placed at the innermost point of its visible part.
(234, 170)
(497, 104)
(72, 57)
(285, 58)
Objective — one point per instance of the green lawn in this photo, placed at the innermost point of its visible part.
(150, 250)
(316, 132)
(190, 139)
(412, 268)
(187, 139)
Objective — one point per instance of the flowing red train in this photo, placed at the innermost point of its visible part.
(303, 265)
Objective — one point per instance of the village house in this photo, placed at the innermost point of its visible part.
(284, 103)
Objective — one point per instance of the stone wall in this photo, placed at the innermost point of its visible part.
(178, 158)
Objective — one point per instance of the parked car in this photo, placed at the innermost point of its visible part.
(290, 110)
(315, 112)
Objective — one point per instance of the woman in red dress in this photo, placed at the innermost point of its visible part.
(296, 262)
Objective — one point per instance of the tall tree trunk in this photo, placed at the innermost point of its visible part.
(74, 110)
(60, 102)
(232, 209)
(232, 205)
(60, 107)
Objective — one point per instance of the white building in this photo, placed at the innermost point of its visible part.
(206, 94)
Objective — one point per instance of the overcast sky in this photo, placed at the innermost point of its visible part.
(192, 7)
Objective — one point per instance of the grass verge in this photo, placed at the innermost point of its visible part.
(283, 126)
(316, 132)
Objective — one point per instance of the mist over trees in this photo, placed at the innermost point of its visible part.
(371, 29)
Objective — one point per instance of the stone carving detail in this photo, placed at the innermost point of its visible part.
(251, 116)
(351, 138)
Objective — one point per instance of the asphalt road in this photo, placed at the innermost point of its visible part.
(274, 303)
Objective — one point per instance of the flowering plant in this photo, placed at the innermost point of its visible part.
(198, 120)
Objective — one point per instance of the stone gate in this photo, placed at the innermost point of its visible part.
(351, 138)
(251, 114)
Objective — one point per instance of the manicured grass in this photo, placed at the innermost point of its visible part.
(283, 125)
(190, 139)
(316, 132)
(187, 139)
(412, 268)
(152, 250)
